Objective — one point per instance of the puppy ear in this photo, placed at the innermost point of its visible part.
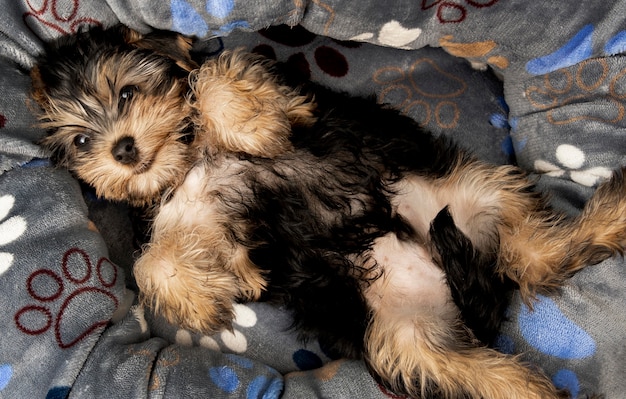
(168, 44)
(38, 88)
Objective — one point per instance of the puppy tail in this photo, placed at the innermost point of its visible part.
(476, 290)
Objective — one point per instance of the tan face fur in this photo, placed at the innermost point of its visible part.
(118, 118)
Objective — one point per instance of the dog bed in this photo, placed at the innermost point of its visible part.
(542, 84)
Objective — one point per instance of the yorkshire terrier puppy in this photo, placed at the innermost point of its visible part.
(385, 241)
(146, 144)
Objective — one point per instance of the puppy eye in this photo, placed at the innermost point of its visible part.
(81, 140)
(126, 93)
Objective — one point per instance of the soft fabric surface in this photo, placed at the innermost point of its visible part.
(554, 103)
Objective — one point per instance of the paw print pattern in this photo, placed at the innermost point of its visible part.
(267, 384)
(392, 34)
(11, 228)
(545, 320)
(549, 331)
(577, 49)
(188, 20)
(428, 105)
(74, 303)
(232, 377)
(6, 372)
(562, 89)
(572, 159)
(227, 341)
(479, 54)
(449, 12)
(61, 16)
(327, 58)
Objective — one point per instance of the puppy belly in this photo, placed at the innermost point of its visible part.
(411, 283)
(473, 205)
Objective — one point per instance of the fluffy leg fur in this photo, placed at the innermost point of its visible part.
(243, 107)
(194, 269)
(427, 356)
(539, 252)
(499, 211)
(416, 343)
(426, 353)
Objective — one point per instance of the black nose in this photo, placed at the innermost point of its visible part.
(125, 151)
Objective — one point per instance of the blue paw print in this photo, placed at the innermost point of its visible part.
(548, 330)
(6, 372)
(58, 393)
(577, 49)
(226, 378)
(567, 379)
(501, 120)
(617, 44)
(37, 163)
(187, 20)
(307, 360)
(219, 8)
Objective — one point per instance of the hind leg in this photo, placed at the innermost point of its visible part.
(426, 356)
(499, 211)
(540, 251)
(416, 344)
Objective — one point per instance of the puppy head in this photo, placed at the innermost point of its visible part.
(113, 101)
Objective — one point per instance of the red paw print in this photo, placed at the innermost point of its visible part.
(451, 12)
(328, 59)
(60, 15)
(75, 303)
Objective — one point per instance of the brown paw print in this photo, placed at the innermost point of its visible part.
(564, 89)
(479, 54)
(432, 104)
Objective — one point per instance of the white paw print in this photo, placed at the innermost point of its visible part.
(572, 159)
(10, 230)
(233, 341)
(392, 34)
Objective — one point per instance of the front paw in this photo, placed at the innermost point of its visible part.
(197, 299)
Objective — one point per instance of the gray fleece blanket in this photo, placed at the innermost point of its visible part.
(542, 84)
